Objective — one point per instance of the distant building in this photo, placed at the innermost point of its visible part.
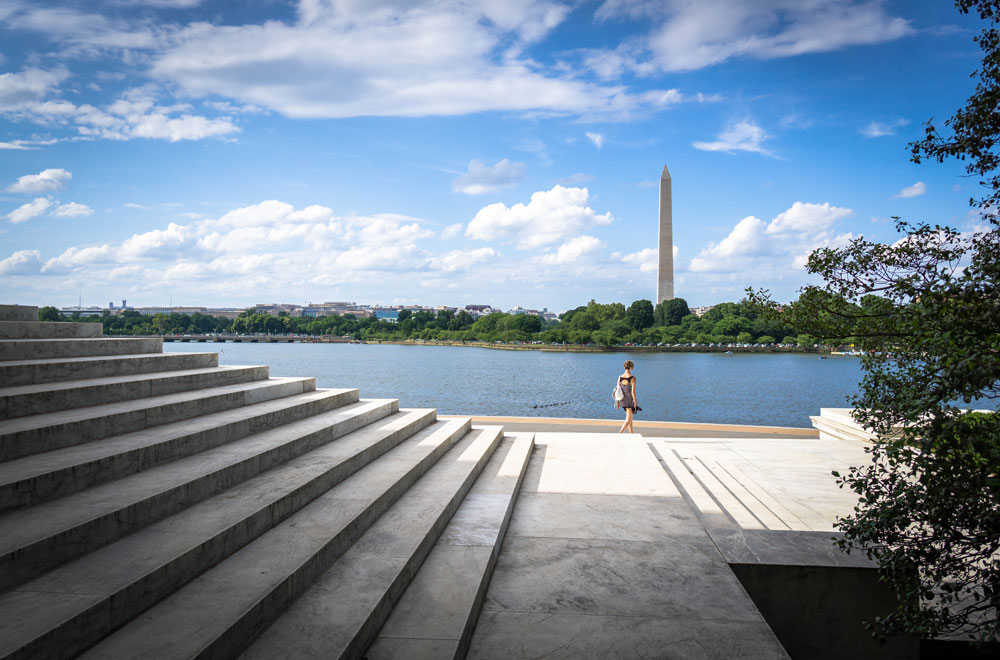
(224, 312)
(274, 309)
(81, 311)
(390, 314)
(152, 311)
(479, 310)
(700, 311)
(534, 312)
(314, 310)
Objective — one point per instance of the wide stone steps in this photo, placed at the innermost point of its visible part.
(38, 539)
(35, 434)
(114, 584)
(436, 616)
(385, 507)
(27, 372)
(37, 330)
(159, 505)
(41, 349)
(41, 477)
(52, 397)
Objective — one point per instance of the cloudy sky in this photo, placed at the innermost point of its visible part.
(453, 151)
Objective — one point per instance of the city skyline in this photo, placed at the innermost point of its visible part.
(448, 154)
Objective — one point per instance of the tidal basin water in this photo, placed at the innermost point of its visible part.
(780, 389)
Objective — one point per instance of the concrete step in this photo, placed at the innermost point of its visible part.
(70, 608)
(35, 540)
(437, 615)
(26, 400)
(42, 349)
(835, 425)
(339, 615)
(35, 434)
(31, 480)
(32, 372)
(48, 330)
(251, 588)
(18, 313)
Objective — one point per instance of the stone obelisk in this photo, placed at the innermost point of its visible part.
(665, 282)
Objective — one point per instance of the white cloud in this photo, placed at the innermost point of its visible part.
(807, 218)
(746, 239)
(551, 216)
(452, 231)
(75, 257)
(573, 250)
(44, 181)
(693, 35)
(346, 59)
(135, 114)
(741, 136)
(916, 190)
(26, 96)
(72, 210)
(754, 247)
(647, 259)
(19, 91)
(175, 240)
(85, 33)
(596, 138)
(460, 260)
(22, 262)
(32, 209)
(881, 129)
(480, 178)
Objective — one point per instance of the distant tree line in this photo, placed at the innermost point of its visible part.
(670, 322)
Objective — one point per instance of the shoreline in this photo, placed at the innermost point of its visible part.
(548, 348)
(579, 348)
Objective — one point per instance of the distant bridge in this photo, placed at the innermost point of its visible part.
(259, 339)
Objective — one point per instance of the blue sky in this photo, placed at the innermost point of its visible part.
(454, 152)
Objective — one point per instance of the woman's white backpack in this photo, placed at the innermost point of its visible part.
(617, 393)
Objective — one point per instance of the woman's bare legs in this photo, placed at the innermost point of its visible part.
(628, 421)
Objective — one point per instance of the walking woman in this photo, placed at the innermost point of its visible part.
(626, 382)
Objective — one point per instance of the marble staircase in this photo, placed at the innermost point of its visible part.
(159, 505)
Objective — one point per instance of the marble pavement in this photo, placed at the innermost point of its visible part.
(620, 545)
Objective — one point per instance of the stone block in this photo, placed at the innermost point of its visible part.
(18, 313)
(51, 330)
(34, 372)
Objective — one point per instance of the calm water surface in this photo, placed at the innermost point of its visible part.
(772, 389)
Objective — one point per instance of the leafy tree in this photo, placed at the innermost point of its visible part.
(605, 312)
(524, 323)
(605, 338)
(48, 313)
(461, 321)
(926, 312)
(584, 321)
(670, 312)
(728, 309)
(731, 325)
(765, 339)
(568, 315)
(639, 314)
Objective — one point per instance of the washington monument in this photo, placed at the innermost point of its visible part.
(665, 281)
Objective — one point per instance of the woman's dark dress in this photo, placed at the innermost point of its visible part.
(625, 383)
